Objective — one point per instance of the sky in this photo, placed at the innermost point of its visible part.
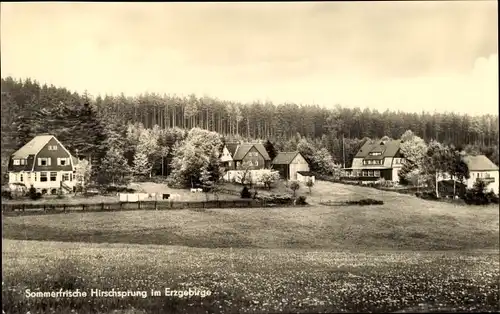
(408, 56)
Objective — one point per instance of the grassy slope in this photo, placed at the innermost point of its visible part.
(280, 259)
(248, 280)
(403, 222)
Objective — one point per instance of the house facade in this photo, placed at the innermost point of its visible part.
(252, 155)
(45, 164)
(289, 164)
(374, 161)
(480, 169)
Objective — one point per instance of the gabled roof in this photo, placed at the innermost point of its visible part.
(243, 149)
(387, 148)
(33, 146)
(479, 163)
(231, 147)
(285, 158)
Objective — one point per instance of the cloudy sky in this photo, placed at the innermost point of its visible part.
(410, 56)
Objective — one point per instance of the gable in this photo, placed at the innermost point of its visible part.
(231, 148)
(299, 159)
(226, 155)
(383, 148)
(285, 158)
(33, 146)
(243, 149)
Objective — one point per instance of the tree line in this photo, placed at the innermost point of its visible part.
(93, 126)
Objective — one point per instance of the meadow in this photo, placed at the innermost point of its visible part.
(405, 255)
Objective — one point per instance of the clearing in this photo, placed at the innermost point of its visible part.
(406, 255)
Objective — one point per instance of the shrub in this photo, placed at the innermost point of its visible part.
(32, 193)
(427, 195)
(471, 197)
(364, 202)
(310, 184)
(245, 193)
(118, 189)
(492, 197)
(294, 186)
(7, 194)
(301, 200)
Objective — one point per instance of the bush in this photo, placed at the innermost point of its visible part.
(301, 200)
(118, 189)
(472, 197)
(277, 199)
(492, 197)
(364, 202)
(427, 195)
(245, 193)
(7, 194)
(33, 194)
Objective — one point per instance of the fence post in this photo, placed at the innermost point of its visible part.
(64, 207)
(102, 206)
(139, 204)
(24, 207)
(121, 204)
(44, 208)
(156, 203)
(83, 207)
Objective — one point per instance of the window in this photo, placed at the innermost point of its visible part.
(21, 177)
(43, 176)
(375, 154)
(370, 173)
(16, 162)
(70, 177)
(65, 177)
(62, 161)
(53, 176)
(52, 147)
(376, 173)
(44, 161)
(24, 161)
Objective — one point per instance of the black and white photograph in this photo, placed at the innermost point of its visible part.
(250, 157)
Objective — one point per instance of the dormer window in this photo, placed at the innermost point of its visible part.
(16, 162)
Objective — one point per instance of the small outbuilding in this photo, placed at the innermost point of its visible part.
(289, 164)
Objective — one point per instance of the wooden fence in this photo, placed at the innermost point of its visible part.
(33, 208)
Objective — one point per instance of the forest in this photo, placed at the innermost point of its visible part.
(91, 125)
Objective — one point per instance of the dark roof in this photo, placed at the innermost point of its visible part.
(243, 149)
(231, 147)
(479, 163)
(33, 146)
(285, 158)
(387, 148)
(306, 173)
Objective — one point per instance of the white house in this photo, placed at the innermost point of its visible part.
(45, 164)
(376, 160)
(481, 168)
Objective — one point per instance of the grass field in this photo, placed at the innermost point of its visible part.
(248, 280)
(406, 255)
